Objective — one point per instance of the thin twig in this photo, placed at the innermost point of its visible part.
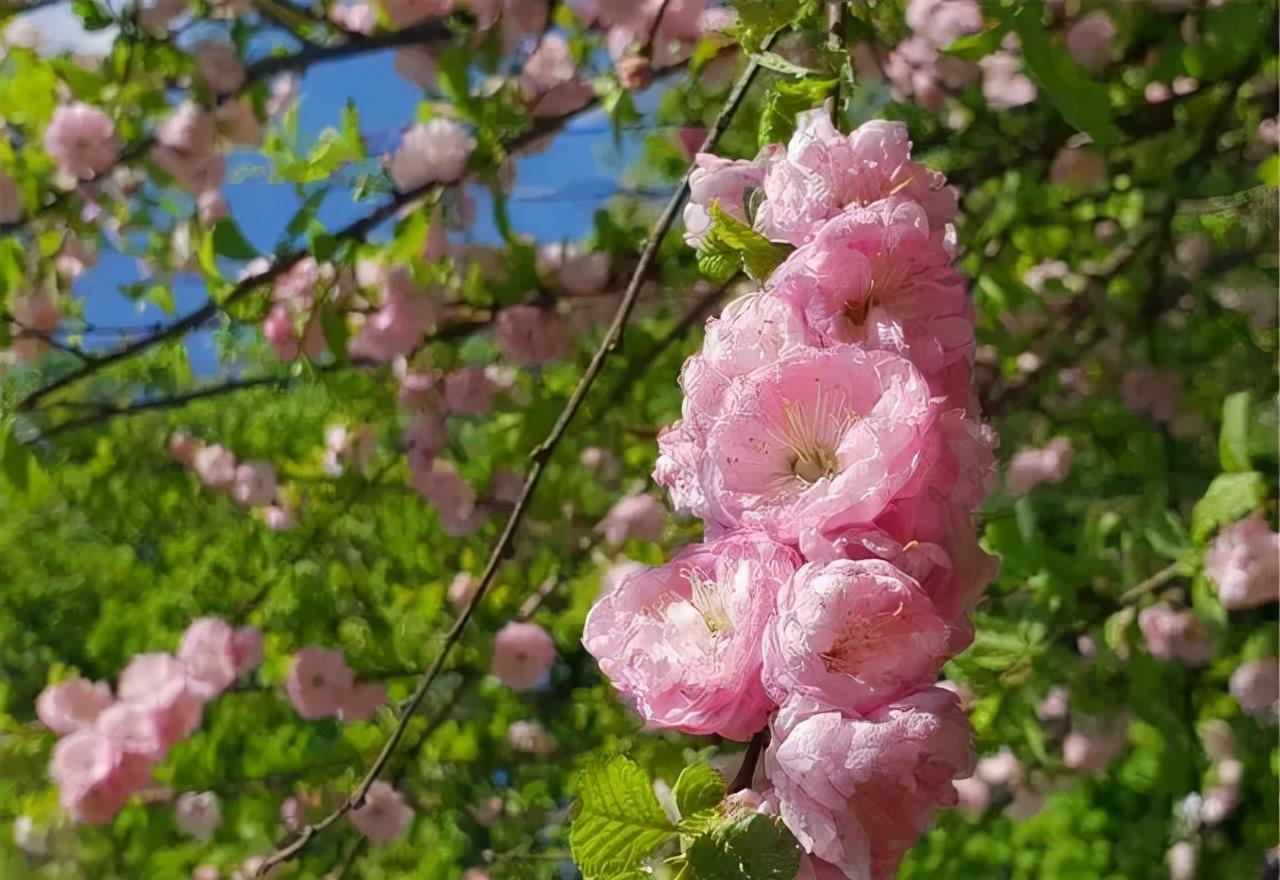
(540, 457)
(1155, 582)
(750, 758)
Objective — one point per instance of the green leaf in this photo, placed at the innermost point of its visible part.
(617, 821)
(16, 460)
(1228, 498)
(1233, 439)
(749, 845)
(757, 19)
(1167, 536)
(786, 100)
(91, 15)
(229, 241)
(336, 332)
(775, 62)
(1081, 101)
(975, 47)
(736, 242)
(698, 788)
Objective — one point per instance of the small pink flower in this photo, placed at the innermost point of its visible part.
(208, 655)
(73, 704)
(1004, 85)
(1095, 742)
(818, 439)
(601, 462)
(1091, 40)
(362, 701)
(158, 683)
(254, 484)
(34, 315)
(853, 635)
(636, 516)
(550, 82)
(506, 486)
(683, 640)
(319, 683)
(186, 148)
(581, 273)
(1031, 467)
(81, 140)
(1181, 860)
(531, 738)
(1175, 635)
(406, 315)
(198, 814)
(1243, 564)
(431, 152)
(384, 815)
(719, 180)
(468, 391)
(356, 18)
(919, 72)
(1001, 770)
(136, 730)
(279, 519)
(183, 448)
(220, 66)
(974, 794)
(1256, 687)
(1151, 391)
(531, 336)
(215, 466)
(824, 171)
(447, 491)
(857, 792)
(410, 12)
(87, 768)
(523, 654)
(942, 22)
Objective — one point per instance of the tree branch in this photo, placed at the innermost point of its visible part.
(750, 758)
(540, 457)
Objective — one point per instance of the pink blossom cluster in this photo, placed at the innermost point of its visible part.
(322, 685)
(250, 483)
(1243, 564)
(109, 743)
(831, 445)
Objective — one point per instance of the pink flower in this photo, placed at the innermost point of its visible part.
(683, 640)
(531, 738)
(417, 64)
(531, 336)
(468, 391)
(384, 815)
(1175, 635)
(34, 315)
(718, 180)
(11, 208)
(81, 140)
(581, 273)
(974, 795)
(506, 486)
(874, 276)
(1095, 742)
(220, 66)
(73, 704)
(824, 171)
(818, 439)
(1030, 467)
(319, 683)
(1003, 83)
(185, 148)
(636, 516)
(1091, 40)
(431, 152)
(407, 314)
(917, 70)
(857, 792)
(1243, 564)
(278, 328)
(1001, 770)
(523, 654)
(209, 657)
(1151, 391)
(942, 22)
(136, 730)
(1079, 169)
(88, 769)
(254, 484)
(183, 448)
(198, 814)
(550, 81)
(1256, 687)
(1181, 860)
(362, 701)
(279, 519)
(158, 683)
(852, 635)
(356, 18)
(446, 490)
(238, 122)
(410, 12)
(601, 462)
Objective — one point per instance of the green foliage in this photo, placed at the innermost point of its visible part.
(745, 845)
(618, 821)
(731, 246)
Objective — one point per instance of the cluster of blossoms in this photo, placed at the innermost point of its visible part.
(251, 483)
(109, 743)
(322, 685)
(831, 446)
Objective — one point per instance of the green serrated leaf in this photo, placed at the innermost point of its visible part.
(775, 62)
(1228, 498)
(229, 241)
(787, 100)
(698, 788)
(618, 821)
(1233, 439)
(975, 47)
(728, 234)
(749, 845)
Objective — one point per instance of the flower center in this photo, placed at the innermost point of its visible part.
(708, 600)
(813, 464)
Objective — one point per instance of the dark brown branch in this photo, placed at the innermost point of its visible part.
(750, 758)
(540, 457)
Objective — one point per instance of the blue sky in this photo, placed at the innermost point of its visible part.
(556, 191)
